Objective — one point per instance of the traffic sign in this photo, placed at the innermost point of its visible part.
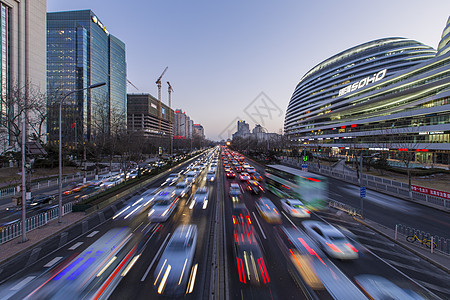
(363, 192)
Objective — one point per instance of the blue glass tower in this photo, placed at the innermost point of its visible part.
(81, 52)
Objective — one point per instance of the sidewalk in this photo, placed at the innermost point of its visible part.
(15, 247)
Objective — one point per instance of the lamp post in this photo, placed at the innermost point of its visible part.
(60, 148)
(361, 178)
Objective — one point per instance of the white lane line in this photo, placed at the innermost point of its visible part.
(53, 262)
(75, 246)
(289, 219)
(92, 233)
(156, 256)
(22, 283)
(259, 225)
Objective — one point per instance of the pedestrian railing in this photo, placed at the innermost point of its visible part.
(13, 230)
(422, 239)
(392, 187)
(12, 191)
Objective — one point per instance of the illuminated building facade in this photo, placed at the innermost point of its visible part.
(389, 95)
(80, 53)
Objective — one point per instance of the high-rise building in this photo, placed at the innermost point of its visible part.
(148, 115)
(389, 95)
(81, 52)
(22, 57)
(198, 131)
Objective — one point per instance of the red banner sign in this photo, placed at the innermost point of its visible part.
(431, 192)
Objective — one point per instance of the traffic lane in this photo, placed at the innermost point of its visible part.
(146, 289)
(281, 286)
(389, 211)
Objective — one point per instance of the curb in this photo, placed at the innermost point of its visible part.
(435, 263)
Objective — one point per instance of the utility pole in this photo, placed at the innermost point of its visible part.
(24, 192)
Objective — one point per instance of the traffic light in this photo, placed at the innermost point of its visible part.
(320, 148)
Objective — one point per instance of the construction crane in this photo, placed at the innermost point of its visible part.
(158, 83)
(132, 84)
(170, 90)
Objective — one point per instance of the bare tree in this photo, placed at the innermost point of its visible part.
(23, 100)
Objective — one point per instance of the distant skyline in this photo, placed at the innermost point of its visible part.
(235, 60)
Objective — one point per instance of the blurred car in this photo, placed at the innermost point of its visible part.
(239, 169)
(211, 176)
(250, 261)
(132, 174)
(244, 176)
(268, 210)
(295, 208)
(40, 200)
(182, 189)
(331, 240)
(200, 198)
(165, 203)
(112, 182)
(172, 179)
(231, 175)
(175, 273)
(256, 176)
(191, 177)
(254, 187)
(235, 190)
(250, 170)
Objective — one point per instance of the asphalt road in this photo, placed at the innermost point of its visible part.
(377, 255)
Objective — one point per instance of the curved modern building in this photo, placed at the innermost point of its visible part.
(391, 94)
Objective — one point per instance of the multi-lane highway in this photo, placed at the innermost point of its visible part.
(237, 253)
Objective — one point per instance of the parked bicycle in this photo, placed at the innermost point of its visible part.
(424, 241)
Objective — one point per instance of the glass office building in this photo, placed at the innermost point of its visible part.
(80, 53)
(389, 95)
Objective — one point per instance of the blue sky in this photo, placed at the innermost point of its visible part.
(242, 59)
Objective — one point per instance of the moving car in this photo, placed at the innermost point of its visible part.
(295, 208)
(244, 176)
(256, 176)
(231, 175)
(191, 177)
(254, 187)
(200, 198)
(235, 190)
(182, 189)
(268, 210)
(175, 272)
(172, 179)
(165, 203)
(211, 176)
(331, 240)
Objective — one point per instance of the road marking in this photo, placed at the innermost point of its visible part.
(412, 268)
(92, 233)
(289, 219)
(259, 225)
(52, 262)
(406, 256)
(75, 246)
(156, 256)
(434, 287)
(22, 283)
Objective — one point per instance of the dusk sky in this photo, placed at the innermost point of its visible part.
(232, 59)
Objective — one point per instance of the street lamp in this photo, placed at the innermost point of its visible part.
(361, 178)
(60, 148)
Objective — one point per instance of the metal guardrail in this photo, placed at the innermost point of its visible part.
(14, 230)
(442, 244)
(12, 191)
(392, 187)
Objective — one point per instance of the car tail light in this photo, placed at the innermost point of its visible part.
(307, 211)
(234, 220)
(351, 247)
(334, 248)
(248, 220)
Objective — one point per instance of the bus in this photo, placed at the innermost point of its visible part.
(287, 182)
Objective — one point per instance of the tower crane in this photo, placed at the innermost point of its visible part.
(158, 83)
(132, 84)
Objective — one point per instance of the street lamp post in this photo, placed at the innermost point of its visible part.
(60, 148)
(361, 179)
